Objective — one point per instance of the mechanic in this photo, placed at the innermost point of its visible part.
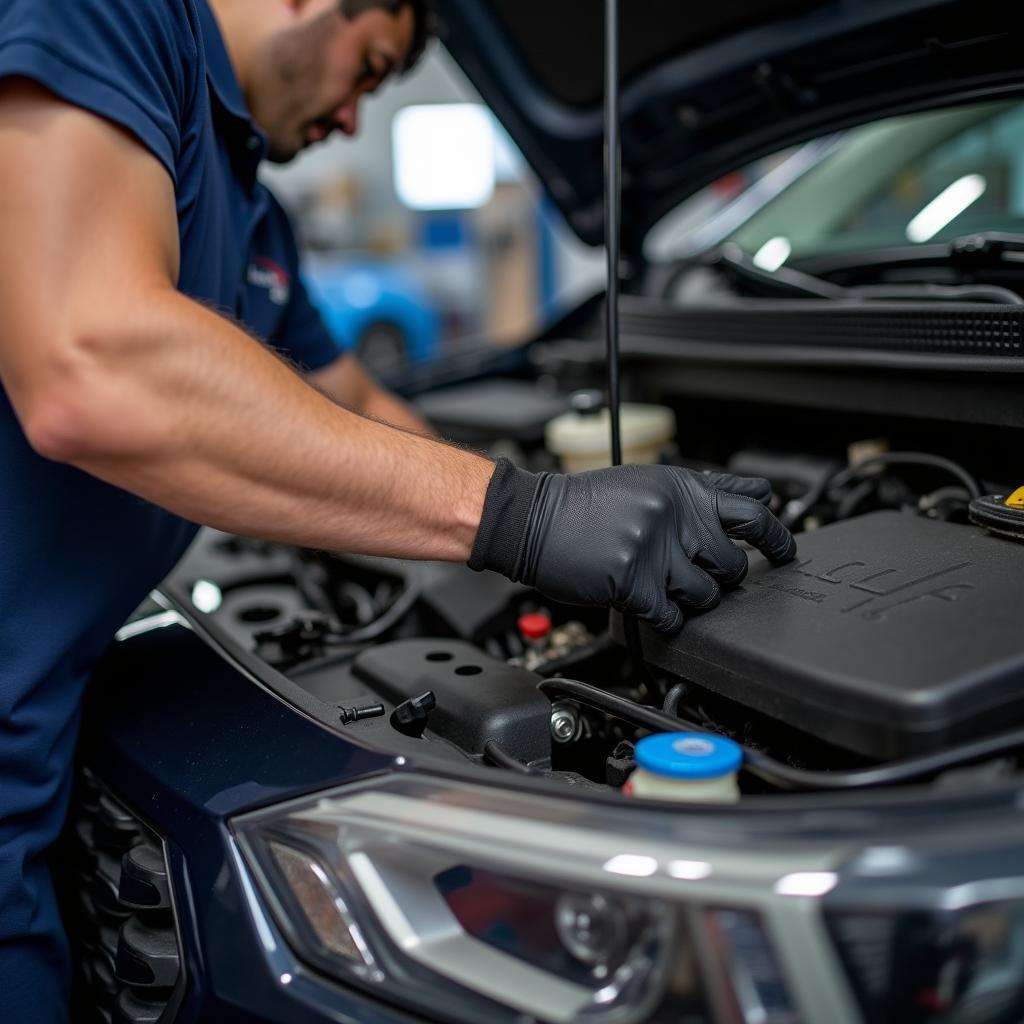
(135, 406)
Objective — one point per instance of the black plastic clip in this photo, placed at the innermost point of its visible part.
(296, 640)
(410, 717)
(358, 714)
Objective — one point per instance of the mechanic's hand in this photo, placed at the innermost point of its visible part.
(643, 539)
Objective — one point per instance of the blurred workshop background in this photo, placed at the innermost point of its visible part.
(427, 233)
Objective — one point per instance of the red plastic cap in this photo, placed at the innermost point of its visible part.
(534, 626)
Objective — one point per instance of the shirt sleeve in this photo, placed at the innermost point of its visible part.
(132, 62)
(300, 332)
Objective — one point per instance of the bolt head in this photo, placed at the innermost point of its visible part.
(563, 725)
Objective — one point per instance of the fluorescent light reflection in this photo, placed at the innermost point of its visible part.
(631, 864)
(690, 870)
(806, 883)
(206, 596)
(444, 156)
(885, 860)
(159, 621)
(946, 207)
(773, 253)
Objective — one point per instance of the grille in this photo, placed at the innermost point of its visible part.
(118, 911)
(961, 329)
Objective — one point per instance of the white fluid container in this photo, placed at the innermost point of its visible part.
(687, 767)
(583, 441)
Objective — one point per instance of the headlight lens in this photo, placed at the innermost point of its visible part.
(321, 907)
(472, 903)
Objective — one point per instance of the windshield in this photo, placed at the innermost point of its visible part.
(897, 182)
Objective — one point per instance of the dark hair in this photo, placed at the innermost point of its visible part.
(422, 14)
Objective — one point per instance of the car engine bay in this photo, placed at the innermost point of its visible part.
(890, 652)
(876, 396)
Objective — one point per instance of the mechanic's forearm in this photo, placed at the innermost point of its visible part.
(383, 405)
(189, 412)
(346, 382)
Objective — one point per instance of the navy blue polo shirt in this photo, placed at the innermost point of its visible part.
(79, 554)
(277, 306)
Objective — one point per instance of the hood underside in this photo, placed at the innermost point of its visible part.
(708, 88)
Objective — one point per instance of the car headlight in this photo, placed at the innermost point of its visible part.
(473, 903)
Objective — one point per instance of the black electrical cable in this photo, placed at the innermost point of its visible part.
(672, 699)
(784, 775)
(372, 630)
(336, 636)
(497, 755)
(795, 514)
(844, 476)
(308, 586)
(891, 774)
(621, 707)
(854, 498)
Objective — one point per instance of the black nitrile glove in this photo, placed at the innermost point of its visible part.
(643, 539)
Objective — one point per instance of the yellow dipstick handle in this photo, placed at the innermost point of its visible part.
(1015, 500)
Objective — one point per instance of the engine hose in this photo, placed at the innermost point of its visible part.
(620, 707)
(844, 476)
(372, 630)
(500, 757)
(672, 699)
(792, 516)
(783, 775)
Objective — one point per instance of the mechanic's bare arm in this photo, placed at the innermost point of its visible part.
(346, 382)
(112, 370)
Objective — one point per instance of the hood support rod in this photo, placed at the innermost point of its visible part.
(612, 242)
(612, 209)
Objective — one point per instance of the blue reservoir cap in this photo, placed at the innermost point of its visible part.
(688, 755)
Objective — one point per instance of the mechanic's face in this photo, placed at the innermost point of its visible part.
(311, 74)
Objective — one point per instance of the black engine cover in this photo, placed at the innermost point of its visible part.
(478, 698)
(890, 635)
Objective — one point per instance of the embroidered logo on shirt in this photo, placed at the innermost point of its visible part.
(265, 273)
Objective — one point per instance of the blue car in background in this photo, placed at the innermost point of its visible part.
(378, 310)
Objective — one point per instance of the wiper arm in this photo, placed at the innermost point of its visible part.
(985, 249)
(782, 283)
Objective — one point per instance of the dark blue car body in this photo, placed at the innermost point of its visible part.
(218, 745)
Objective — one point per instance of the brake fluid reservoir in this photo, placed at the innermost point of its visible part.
(686, 766)
(583, 440)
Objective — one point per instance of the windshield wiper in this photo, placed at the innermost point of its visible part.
(987, 249)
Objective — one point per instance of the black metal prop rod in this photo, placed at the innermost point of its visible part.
(613, 189)
(612, 211)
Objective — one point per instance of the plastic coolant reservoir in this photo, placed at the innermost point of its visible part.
(583, 440)
(686, 766)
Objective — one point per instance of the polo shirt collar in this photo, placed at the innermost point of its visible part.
(225, 89)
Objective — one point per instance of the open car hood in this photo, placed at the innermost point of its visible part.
(710, 87)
